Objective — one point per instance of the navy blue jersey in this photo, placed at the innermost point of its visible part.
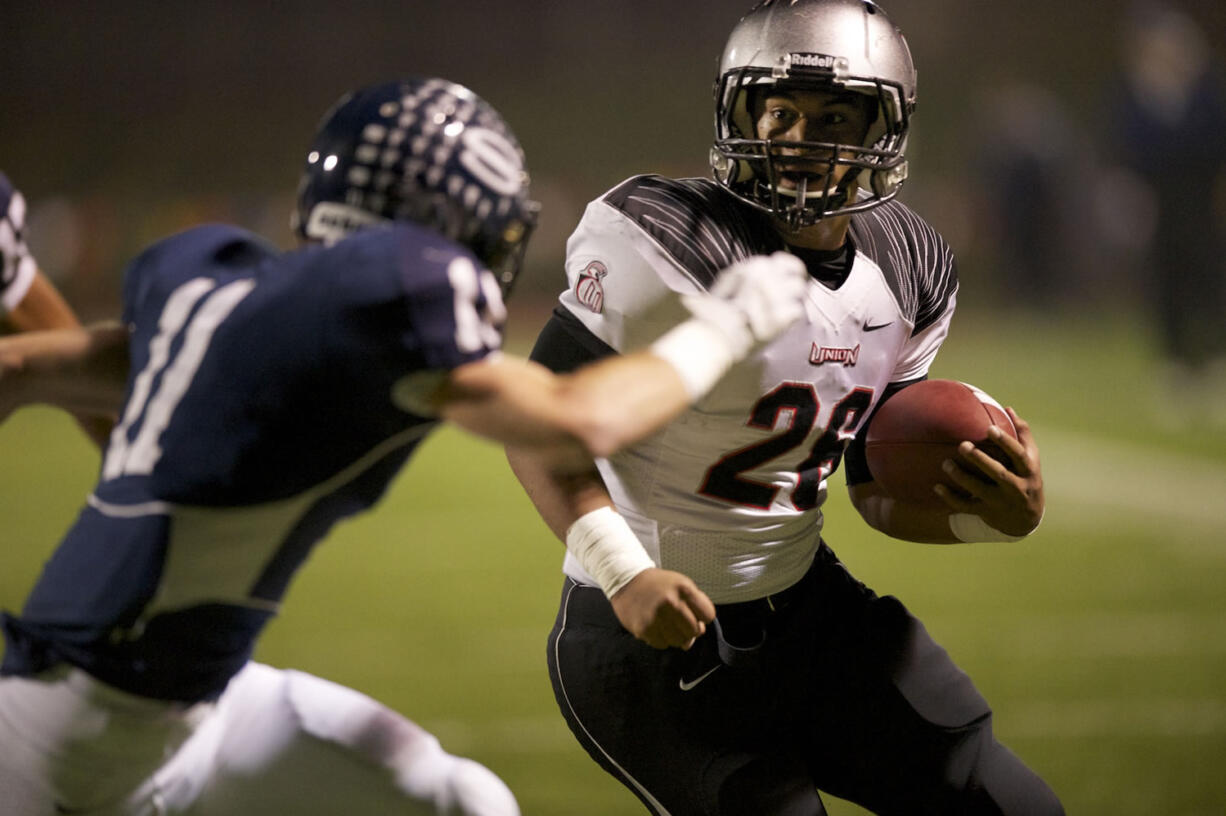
(268, 397)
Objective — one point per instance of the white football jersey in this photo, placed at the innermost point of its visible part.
(17, 267)
(730, 493)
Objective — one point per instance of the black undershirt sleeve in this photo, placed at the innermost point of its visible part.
(854, 458)
(565, 343)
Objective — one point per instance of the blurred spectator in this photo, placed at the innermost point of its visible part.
(1029, 222)
(1168, 127)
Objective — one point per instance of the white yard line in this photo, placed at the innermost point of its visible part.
(1133, 479)
(1097, 635)
(1141, 717)
(1019, 719)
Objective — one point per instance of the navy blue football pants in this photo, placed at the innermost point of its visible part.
(827, 686)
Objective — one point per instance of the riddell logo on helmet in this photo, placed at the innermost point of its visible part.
(822, 61)
(331, 221)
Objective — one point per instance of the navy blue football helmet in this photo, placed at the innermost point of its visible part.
(423, 150)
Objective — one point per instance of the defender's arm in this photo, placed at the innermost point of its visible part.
(620, 399)
(82, 370)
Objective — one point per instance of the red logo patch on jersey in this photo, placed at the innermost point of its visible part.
(589, 289)
(820, 355)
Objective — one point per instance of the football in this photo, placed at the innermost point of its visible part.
(918, 428)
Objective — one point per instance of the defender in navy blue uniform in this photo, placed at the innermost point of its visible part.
(806, 680)
(265, 396)
(261, 410)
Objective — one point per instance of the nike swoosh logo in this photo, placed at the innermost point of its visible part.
(869, 327)
(686, 686)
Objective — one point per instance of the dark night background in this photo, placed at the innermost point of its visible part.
(124, 121)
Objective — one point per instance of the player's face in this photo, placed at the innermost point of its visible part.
(811, 116)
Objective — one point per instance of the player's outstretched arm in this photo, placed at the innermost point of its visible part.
(82, 370)
(43, 307)
(994, 501)
(33, 303)
(565, 419)
(601, 407)
(752, 303)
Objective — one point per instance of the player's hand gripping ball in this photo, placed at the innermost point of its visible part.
(917, 429)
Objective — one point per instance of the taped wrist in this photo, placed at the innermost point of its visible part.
(607, 549)
(970, 528)
(700, 352)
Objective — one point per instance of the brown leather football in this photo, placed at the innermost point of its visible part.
(917, 429)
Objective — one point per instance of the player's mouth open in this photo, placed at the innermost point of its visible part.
(795, 178)
(799, 184)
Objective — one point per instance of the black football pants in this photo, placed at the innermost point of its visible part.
(826, 687)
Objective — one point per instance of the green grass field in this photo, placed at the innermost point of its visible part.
(1101, 641)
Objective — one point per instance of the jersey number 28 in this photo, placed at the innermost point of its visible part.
(799, 403)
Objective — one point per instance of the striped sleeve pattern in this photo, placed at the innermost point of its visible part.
(695, 222)
(918, 264)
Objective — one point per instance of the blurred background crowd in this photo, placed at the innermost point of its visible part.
(1072, 152)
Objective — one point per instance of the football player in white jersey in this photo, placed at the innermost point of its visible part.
(803, 680)
(265, 396)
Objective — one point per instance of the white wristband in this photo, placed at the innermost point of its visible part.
(607, 549)
(700, 352)
(970, 528)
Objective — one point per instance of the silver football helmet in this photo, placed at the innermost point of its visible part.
(814, 45)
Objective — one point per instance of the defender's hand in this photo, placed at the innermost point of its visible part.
(663, 608)
(1007, 496)
(754, 300)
